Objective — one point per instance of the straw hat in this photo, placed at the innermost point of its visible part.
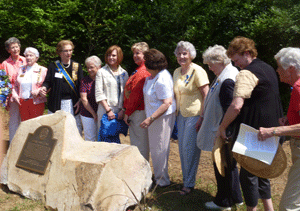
(218, 156)
(261, 169)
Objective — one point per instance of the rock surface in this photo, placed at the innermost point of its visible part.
(81, 175)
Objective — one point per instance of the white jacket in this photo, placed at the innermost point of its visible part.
(106, 87)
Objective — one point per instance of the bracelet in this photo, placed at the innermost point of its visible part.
(151, 118)
(108, 111)
(274, 132)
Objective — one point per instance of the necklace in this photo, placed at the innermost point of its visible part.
(67, 65)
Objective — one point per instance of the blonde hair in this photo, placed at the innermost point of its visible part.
(141, 46)
(62, 43)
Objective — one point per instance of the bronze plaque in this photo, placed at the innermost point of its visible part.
(37, 150)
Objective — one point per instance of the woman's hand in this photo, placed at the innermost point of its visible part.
(43, 91)
(222, 133)
(146, 123)
(126, 119)
(199, 123)
(111, 115)
(77, 106)
(265, 133)
(15, 97)
(121, 114)
(283, 121)
(35, 93)
(95, 118)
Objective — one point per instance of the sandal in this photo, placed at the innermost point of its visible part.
(185, 191)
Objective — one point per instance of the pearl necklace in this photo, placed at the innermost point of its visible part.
(67, 66)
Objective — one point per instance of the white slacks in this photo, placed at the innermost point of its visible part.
(159, 133)
(14, 119)
(138, 135)
(89, 128)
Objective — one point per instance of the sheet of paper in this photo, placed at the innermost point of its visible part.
(248, 144)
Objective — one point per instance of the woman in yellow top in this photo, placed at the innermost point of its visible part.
(190, 87)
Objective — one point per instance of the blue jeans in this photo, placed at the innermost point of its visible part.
(188, 150)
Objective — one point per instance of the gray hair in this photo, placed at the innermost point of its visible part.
(32, 50)
(10, 41)
(288, 57)
(215, 54)
(94, 59)
(186, 46)
(141, 46)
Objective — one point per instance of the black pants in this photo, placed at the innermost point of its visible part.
(254, 188)
(229, 191)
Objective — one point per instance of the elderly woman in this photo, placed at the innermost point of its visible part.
(88, 110)
(12, 66)
(26, 89)
(134, 100)
(215, 105)
(62, 82)
(190, 87)
(256, 102)
(160, 107)
(288, 61)
(110, 83)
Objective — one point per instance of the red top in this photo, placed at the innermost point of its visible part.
(12, 68)
(294, 107)
(133, 93)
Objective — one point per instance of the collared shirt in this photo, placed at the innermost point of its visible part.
(133, 92)
(156, 90)
(12, 68)
(186, 88)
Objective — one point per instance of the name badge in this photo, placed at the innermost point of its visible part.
(22, 75)
(58, 75)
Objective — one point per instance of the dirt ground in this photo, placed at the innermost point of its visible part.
(205, 178)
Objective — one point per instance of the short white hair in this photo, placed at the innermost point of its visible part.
(186, 46)
(288, 57)
(94, 59)
(215, 54)
(32, 50)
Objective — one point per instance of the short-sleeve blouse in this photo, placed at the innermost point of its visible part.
(88, 86)
(156, 90)
(186, 88)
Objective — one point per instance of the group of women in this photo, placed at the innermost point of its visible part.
(149, 101)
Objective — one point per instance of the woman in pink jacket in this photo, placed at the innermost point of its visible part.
(26, 90)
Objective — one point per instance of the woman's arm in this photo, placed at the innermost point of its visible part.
(110, 113)
(86, 104)
(230, 115)
(291, 130)
(160, 111)
(204, 91)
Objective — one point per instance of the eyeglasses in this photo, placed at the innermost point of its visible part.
(66, 51)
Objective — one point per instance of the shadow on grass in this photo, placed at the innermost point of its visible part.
(170, 199)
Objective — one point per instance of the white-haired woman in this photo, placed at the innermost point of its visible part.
(26, 89)
(88, 112)
(288, 61)
(190, 87)
(134, 100)
(11, 66)
(216, 103)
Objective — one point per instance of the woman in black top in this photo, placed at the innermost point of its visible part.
(62, 82)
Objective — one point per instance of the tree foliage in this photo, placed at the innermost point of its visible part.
(94, 25)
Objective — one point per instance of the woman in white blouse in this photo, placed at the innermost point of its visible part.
(110, 83)
(26, 90)
(160, 107)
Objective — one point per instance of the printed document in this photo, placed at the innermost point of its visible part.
(248, 144)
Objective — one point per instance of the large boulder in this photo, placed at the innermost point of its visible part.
(80, 175)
